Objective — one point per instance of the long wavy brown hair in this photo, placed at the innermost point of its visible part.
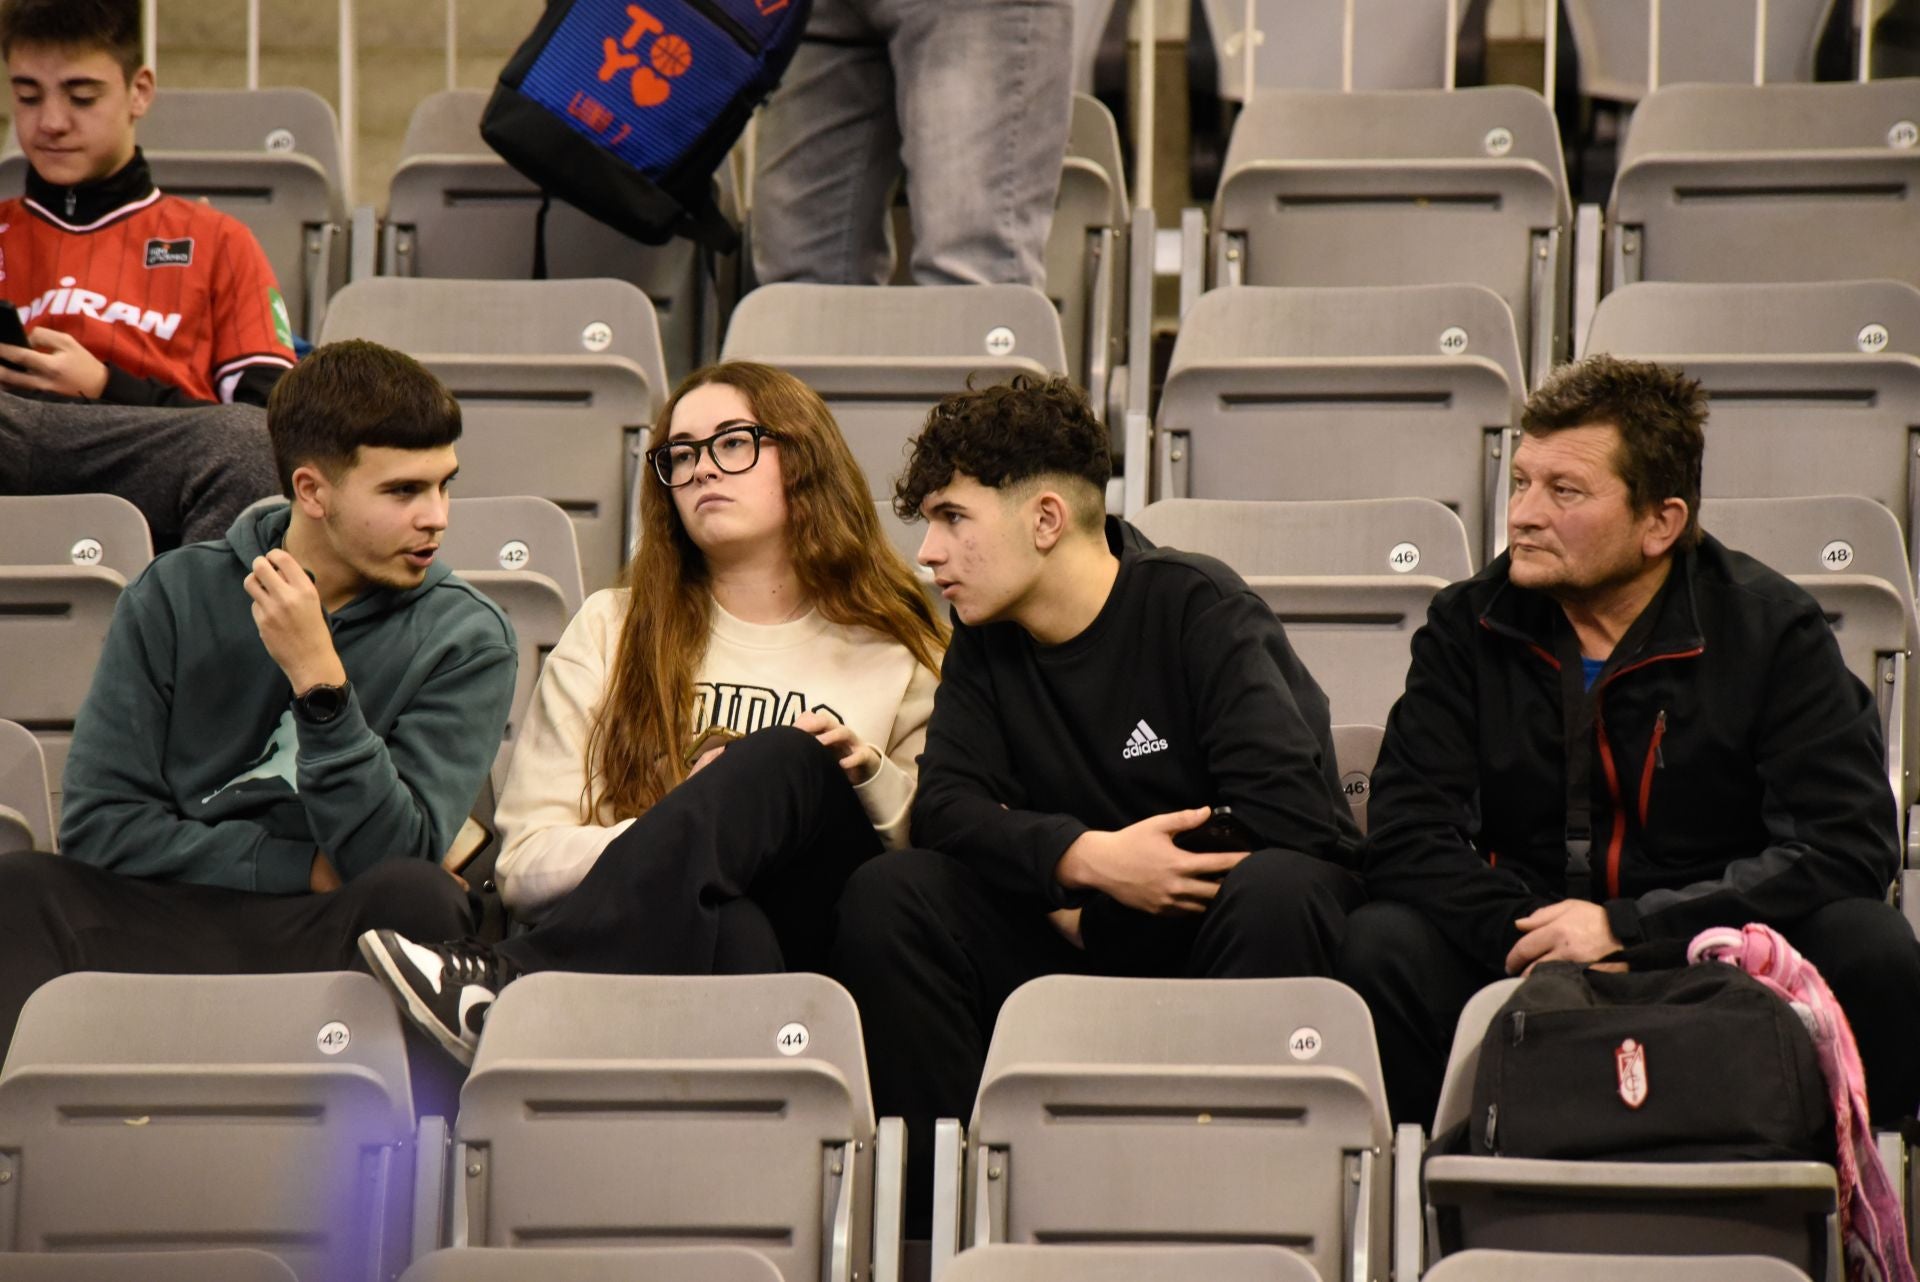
(846, 566)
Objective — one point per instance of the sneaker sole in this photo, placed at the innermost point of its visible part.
(384, 969)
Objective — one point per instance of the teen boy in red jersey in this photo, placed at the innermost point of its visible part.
(130, 297)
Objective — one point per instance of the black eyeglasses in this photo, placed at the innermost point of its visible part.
(734, 448)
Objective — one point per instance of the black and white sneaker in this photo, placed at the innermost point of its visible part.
(445, 989)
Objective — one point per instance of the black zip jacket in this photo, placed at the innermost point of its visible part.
(1738, 769)
(1182, 692)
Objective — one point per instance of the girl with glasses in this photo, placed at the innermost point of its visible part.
(712, 749)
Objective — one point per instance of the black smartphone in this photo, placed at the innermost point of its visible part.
(11, 330)
(1222, 833)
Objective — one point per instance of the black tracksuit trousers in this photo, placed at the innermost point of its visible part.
(930, 952)
(733, 872)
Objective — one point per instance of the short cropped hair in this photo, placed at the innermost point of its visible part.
(1007, 435)
(352, 394)
(1659, 412)
(109, 25)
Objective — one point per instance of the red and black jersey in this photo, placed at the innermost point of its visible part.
(163, 290)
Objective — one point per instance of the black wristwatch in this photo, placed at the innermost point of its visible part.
(322, 704)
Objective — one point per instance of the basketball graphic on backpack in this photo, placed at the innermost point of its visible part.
(671, 55)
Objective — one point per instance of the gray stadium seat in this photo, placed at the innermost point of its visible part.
(1525, 1266)
(1783, 1209)
(608, 1109)
(1847, 552)
(1397, 44)
(1408, 188)
(1350, 579)
(269, 157)
(26, 806)
(572, 1264)
(455, 209)
(558, 382)
(1129, 1111)
(881, 357)
(1769, 183)
(1086, 254)
(1344, 393)
(63, 562)
(1866, 317)
(238, 1265)
(95, 531)
(163, 1112)
(1812, 388)
(522, 553)
(1356, 749)
(1129, 1264)
(1701, 42)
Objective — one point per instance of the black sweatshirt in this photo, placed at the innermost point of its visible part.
(1182, 692)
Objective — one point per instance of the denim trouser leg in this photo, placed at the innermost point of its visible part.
(984, 96)
(827, 156)
(972, 96)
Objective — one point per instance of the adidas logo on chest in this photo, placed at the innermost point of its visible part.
(1141, 742)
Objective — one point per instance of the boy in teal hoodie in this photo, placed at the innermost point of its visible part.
(287, 728)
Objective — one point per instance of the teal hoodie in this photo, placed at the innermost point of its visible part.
(187, 761)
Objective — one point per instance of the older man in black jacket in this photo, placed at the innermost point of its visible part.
(1617, 735)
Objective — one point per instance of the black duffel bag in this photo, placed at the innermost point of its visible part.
(1699, 1063)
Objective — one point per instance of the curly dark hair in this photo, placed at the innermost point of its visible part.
(1660, 413)
(1006, 435)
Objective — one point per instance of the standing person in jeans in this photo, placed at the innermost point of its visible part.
(1100, 695)
(1620, 686)
(765, 602)
(970, 99)
(287, 728)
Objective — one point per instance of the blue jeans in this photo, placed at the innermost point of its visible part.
(970, 98)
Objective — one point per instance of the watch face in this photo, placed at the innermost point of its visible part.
(322, 703)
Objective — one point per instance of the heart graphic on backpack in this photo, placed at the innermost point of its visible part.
(670, 55)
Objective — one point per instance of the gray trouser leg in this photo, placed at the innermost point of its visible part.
(984, 98)
(826, 158)
(972, 96)
(190, 470)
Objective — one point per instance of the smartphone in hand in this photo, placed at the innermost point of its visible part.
(1222, 833)
(11, 330)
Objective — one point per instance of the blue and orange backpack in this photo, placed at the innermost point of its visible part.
(627, 109)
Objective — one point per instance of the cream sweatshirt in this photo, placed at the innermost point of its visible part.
(754, 676)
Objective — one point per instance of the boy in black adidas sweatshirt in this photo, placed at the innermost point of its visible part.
(1099, 696)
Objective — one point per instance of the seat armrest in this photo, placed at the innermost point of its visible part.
(889, 1197)
(1409, 1146)
(363, 244)
(949, 1179)
(432, 1153)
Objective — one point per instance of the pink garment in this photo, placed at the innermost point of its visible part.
(1874, 1236)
